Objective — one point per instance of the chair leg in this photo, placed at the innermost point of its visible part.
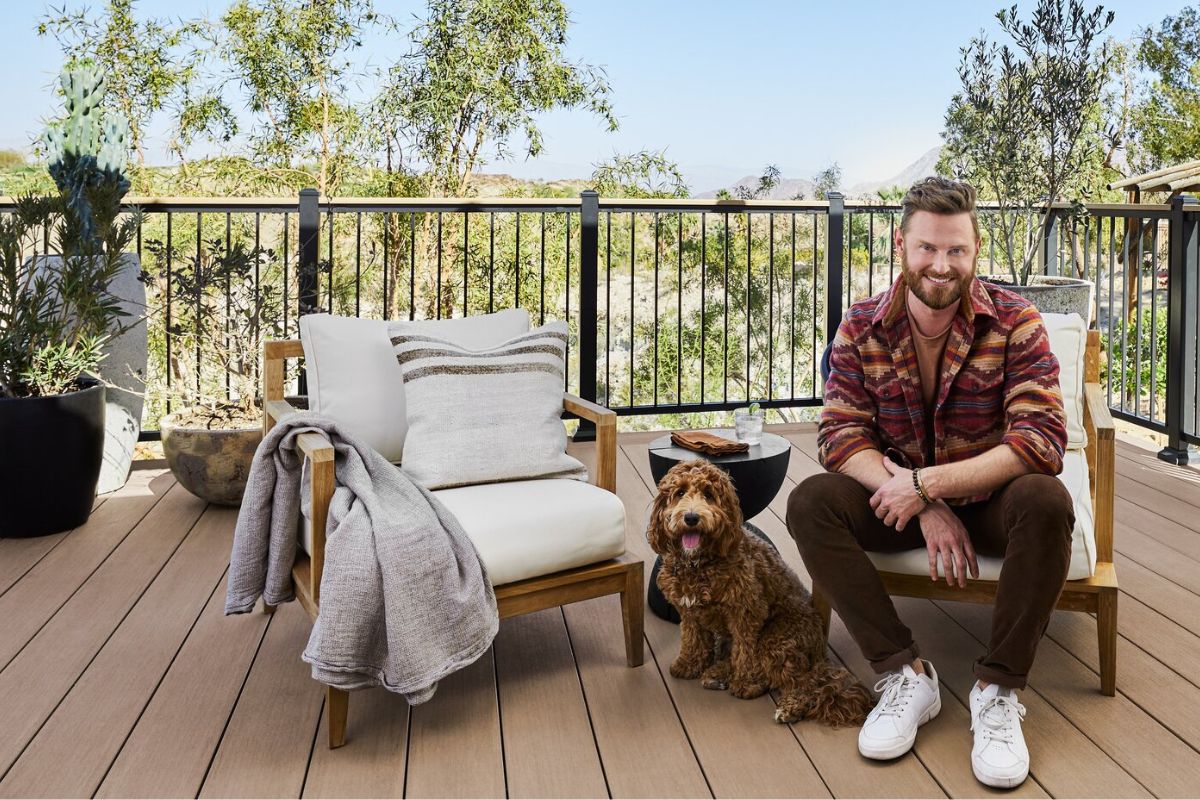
(1106, 633)
(821, 605)
(633, 610)
(337, 706)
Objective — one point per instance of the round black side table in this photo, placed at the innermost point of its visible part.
(757, 475)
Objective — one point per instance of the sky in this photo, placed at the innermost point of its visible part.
(724, 88)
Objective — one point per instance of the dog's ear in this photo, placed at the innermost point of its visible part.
(656, 534)
(727, 501)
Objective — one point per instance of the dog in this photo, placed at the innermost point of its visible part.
(747, 622)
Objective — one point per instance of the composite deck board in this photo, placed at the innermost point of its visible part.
(105, 703)
(197, 695)
(643, 746)
(48, 585)
(120, 667)
(265, 749)
(18, 556)
(743, 750)
(63, 648)
(1153, 686)
(454, 745)
(372, 762)
(549, 750)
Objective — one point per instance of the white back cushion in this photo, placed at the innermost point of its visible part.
(353, 376)
(1068, 342)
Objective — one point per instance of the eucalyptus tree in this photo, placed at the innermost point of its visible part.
(1025, 126)
(477, 74)
(293, 64)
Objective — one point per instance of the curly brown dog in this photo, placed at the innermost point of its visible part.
(747, 623)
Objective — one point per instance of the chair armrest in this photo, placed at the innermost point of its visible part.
(606, 438)
(319, 452)
(1102, 464)
(1098, 411)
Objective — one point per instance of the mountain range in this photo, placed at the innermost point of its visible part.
(788, 188)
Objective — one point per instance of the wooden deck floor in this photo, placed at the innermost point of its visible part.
(119, 676)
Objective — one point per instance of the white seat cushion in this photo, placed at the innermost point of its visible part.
(1068, 342)
(1083, 541)
(523, 529)
(353, 376)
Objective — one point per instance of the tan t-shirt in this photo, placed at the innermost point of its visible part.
(929, 360)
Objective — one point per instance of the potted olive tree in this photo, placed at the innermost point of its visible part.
(1025, 130)
(225, 315)
(57, 316)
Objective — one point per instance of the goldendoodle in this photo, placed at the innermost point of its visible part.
(747, 623)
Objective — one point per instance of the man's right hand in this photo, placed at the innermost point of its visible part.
(945, 536)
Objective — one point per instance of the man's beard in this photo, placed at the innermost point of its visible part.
(938, 297)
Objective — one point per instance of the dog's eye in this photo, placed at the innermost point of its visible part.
(680, 492)
(708, 495)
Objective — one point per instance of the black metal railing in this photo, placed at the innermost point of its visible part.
(673, 306)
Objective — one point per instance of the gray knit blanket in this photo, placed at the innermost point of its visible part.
(405, 600)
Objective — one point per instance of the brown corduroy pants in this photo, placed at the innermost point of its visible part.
(1028, 522)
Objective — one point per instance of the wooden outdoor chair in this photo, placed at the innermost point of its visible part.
(1096, 594)
(621, 575)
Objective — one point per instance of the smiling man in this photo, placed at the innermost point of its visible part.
(943, 426)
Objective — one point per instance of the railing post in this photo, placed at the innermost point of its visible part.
(1050, 243)
(589, 277)
(306, 275)
(1181, 325)
(834, 245)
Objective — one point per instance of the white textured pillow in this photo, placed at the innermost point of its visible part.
(353, 377)
(482, 416)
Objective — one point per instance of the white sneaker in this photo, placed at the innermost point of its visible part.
(907, 701)
(999, 757)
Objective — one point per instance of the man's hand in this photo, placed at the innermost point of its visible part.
(945, 536)
(896, 502)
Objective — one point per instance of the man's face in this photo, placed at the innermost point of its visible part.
(938, 253)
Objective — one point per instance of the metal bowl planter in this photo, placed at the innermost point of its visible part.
(52, 448)
(211, 464)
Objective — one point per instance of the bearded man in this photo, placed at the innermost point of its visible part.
(943, 425)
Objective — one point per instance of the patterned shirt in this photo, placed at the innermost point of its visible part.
(999, 385)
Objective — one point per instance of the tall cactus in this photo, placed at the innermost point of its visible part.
(87, 153)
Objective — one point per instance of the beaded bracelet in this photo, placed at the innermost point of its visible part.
(916, 473)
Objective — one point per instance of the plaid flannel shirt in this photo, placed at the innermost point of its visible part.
(999, 385)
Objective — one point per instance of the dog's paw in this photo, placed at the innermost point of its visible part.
(687, 670)
(747, 690)
(785, 717)
(716, 677)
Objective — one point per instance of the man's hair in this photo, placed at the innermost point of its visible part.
(939, 195)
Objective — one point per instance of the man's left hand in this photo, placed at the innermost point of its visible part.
(897, 502)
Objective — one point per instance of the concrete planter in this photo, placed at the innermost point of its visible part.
(1052, 294)
(211, 464)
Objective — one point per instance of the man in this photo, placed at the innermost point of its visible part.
(943, 426)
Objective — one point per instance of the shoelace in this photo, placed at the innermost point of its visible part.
(996, 716)
(896, 690)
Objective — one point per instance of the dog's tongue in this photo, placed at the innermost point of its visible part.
(691, 540)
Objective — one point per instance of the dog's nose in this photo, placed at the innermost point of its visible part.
(691, 519)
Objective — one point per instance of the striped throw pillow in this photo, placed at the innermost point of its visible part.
(483, 416)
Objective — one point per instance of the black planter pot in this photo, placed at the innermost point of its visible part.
(50, 453)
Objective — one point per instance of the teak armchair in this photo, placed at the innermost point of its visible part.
(621, 575)
(1096, 594)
